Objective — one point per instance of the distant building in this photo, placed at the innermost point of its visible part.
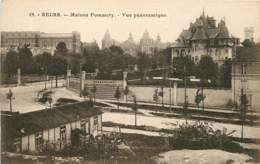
(39, 42)
(129, 46)
(50, 128)
(147, 44)
(204, 37)
(249, 33)
(107, 41)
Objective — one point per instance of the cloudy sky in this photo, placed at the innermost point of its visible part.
(14, 16)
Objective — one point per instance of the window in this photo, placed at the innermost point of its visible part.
(83, 125)
(96, 123)
(39, 141)
(63, 133)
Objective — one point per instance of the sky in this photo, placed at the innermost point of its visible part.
(14, 16)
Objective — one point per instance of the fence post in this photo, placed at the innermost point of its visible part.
(68, 78)
(175, 93)
(124, 83)
(19, 76)
(82, 83)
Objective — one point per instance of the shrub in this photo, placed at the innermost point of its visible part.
(232, 104)
(201, 135)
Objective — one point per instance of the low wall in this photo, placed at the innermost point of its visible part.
(214, 97)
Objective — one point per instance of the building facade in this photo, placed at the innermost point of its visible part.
(52, 128)
(39, 42)
(204, 37)
(246, 76)
(149, 45)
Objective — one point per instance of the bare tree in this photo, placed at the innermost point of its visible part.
(135, 108)
(10, 97)
(117, 95)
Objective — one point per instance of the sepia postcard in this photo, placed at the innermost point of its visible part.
(130, 81)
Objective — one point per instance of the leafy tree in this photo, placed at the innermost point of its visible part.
(58, 66)
(155, 95)
(199, 97)
(126, 91)
(179, 63)
(43, 61)
(117, 95)
(135, 108)
(161, 94)
(10, 97)
(248, 43)
(225, 74)
(61, 49)
(207, 69)
(11, 63)
(25, 59)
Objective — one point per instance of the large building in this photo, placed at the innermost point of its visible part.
(205, 37)
(107, 41)
(39, 42)
(147, 44)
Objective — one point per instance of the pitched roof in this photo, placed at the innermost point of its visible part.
(213, 32)
(32, 122)
(199, 34)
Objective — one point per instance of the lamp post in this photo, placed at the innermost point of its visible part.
(243, 99)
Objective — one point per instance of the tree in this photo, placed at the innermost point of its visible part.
(58, 66)
(25, 59)
(155, 95)
(117, 95)
(161, 94)
(126, 91)
(207, 69)
(179, 63)
(199, 97)
(61, 49)
(225, 74)
(135, 108)
(43, 60)
(10, 97)
(11, 63)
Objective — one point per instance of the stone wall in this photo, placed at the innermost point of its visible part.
(214, 97)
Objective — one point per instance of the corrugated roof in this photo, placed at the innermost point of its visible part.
(33, 122)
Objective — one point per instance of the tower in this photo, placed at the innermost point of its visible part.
(249, 33)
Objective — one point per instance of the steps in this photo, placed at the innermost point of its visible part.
(105, 91)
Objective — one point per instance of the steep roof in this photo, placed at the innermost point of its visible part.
(32, 122)
(213, 32)
(199, 34)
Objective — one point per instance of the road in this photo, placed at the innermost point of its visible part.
(25, 102)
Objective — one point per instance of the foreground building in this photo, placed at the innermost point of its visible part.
(50, 128)
(39, 42)
(246, 76)
(204, 37)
